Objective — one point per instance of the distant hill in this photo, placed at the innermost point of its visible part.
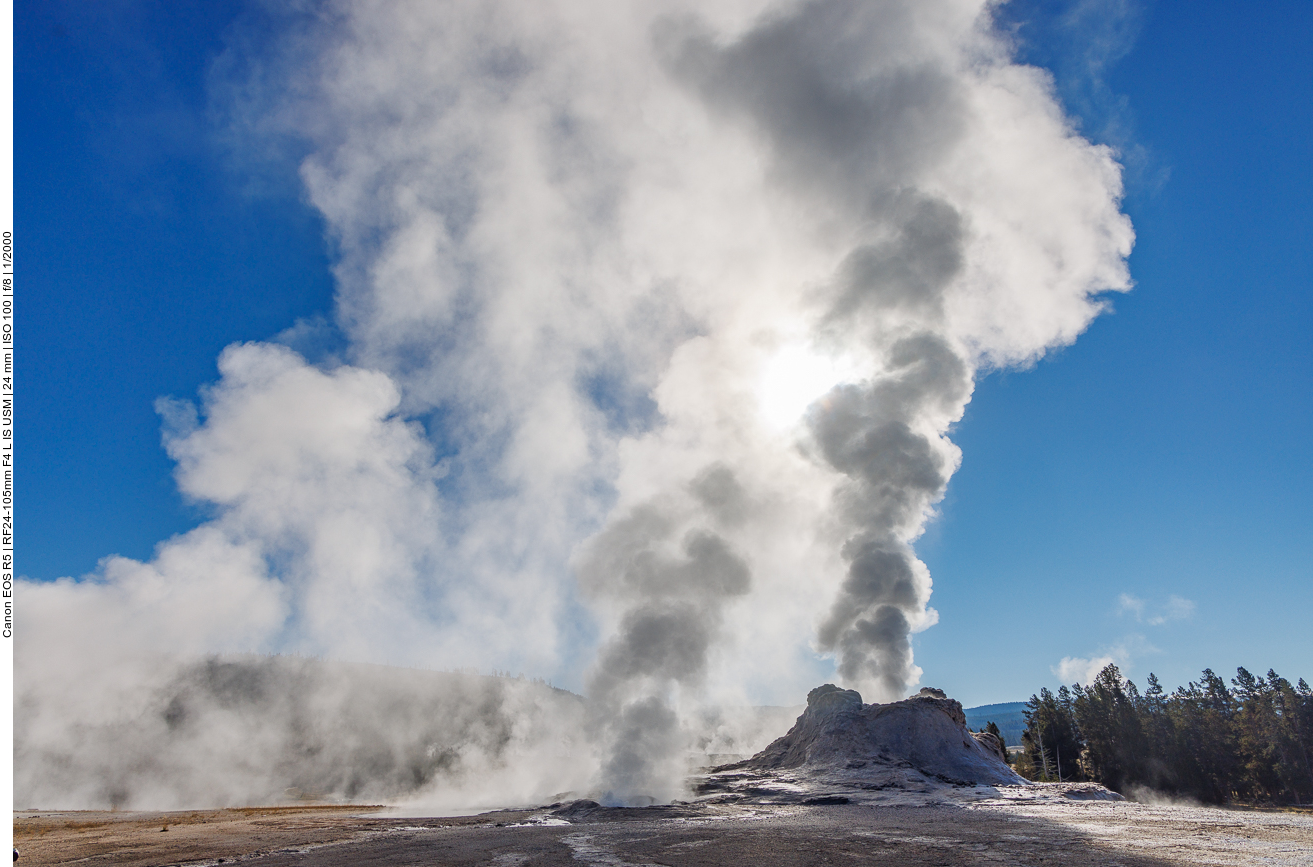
(1007, 716)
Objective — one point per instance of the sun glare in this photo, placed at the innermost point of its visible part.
(793, 379)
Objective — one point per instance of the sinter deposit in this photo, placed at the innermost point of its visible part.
(927, 732)
(841, 750)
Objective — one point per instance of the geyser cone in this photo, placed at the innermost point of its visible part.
(928, 732)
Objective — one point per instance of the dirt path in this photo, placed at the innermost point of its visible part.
(1129, 835)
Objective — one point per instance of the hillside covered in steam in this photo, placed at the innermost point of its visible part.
(652, 323)
(268, 730)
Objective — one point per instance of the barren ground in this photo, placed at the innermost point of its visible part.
(946, 833)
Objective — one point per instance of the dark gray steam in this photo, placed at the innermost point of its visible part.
(673, 581)
(896, 474)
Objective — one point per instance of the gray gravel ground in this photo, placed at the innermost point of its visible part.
(1089, 833)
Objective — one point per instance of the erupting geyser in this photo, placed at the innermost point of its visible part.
(657, 316)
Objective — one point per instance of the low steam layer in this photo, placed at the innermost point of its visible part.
(658, 316)
(265, 730)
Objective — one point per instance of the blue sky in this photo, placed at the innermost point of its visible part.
(148, 255)
(1162, 457)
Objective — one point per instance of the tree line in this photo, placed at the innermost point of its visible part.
(1251, 742)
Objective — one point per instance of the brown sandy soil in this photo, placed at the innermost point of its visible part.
(136, 839)
(1098, 833)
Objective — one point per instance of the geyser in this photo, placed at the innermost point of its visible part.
(927, 733)
(657, 316)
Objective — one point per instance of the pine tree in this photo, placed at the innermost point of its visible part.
(1273, 751)
(1207, 758)
(1160, 767)
(1108, 714)
(1052, 739)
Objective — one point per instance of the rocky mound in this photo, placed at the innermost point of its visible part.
(927, 732)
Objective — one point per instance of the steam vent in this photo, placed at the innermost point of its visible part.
(920, 741)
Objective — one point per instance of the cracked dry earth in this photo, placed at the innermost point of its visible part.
(1085, 833)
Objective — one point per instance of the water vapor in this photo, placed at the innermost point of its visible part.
(657, 319)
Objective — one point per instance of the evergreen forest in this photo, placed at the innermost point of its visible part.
(1247, 743)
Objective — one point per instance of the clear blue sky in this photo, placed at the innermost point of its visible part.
(1164, 455)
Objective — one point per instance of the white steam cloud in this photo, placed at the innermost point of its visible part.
(1078, 669)
(658, 316)
(1123, 654)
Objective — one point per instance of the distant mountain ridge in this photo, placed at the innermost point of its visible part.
(1007, 716)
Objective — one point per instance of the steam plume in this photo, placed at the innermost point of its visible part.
(658, 317)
